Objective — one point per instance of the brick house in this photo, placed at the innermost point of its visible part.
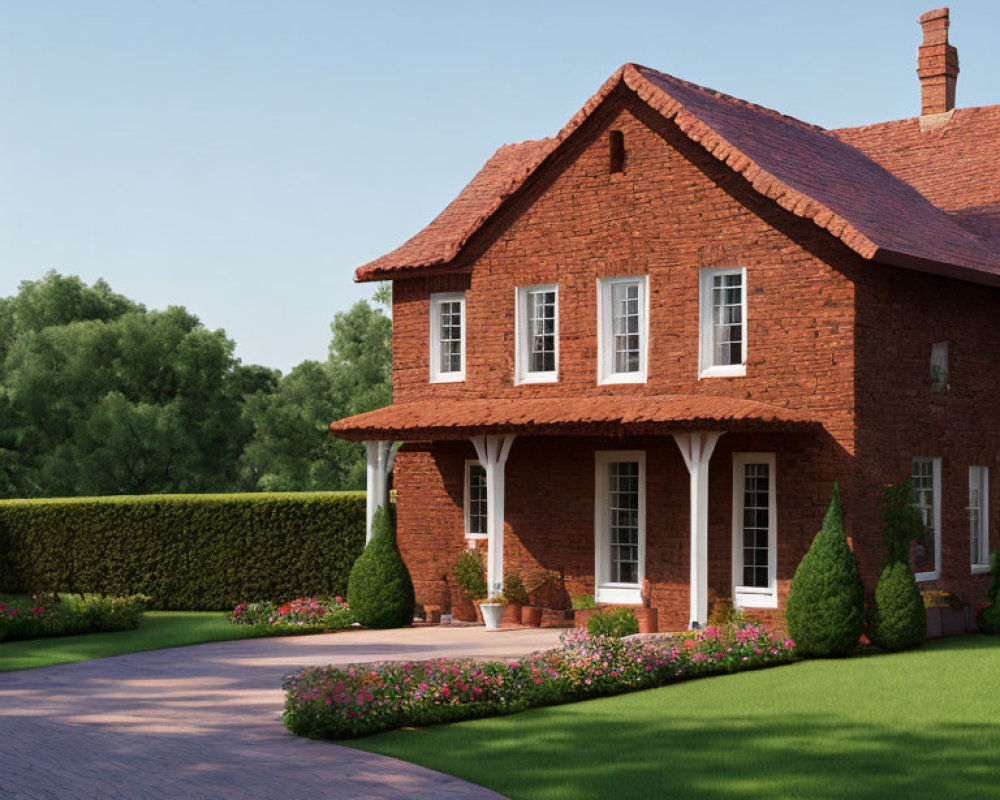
(646, 348)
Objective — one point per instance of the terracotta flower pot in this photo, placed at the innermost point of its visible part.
(512, 614)
(648, 620)
(531, 616)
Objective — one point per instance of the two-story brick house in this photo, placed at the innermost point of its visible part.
(648, 347)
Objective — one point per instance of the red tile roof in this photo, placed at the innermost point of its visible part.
(812, 173)
(604, 414)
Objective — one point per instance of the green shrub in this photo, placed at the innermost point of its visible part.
(897, 619)
(470, 574)
(380, 592)
(581, 602)
(988, 617)
(825, 609)
(725, 613)
(34, 618)
(186, 552)
(614, 622)
(514, 591)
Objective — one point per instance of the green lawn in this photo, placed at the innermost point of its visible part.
(924, 724)
(158, 629)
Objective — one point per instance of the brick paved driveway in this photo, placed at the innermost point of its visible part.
(205, 722)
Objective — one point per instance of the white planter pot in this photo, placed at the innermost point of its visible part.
(492, 614)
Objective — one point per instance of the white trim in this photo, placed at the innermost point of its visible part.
(436, 375)
(936, 499)
(754, 596)
(605, 328)
(706, 349)
(604, 590)
(981, 475)
(521, 342)
(467, 505)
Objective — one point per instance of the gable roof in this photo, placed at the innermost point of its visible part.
(812, 173)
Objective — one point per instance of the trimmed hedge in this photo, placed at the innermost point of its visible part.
(185, 552)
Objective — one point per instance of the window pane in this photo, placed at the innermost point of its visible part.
(727, 319)
(541, 316)
(451, 336)
(626, 326)
(978, 523)
(924, 551)
(623, 521)
(756, 524)
(477, 499)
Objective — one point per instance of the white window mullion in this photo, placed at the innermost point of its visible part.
(536, 346)
(619, 526)
(622, 329)
(722, 350)
(475, 500)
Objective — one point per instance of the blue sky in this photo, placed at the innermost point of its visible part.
(242, 157)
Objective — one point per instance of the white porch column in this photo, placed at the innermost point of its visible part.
(381, 456)
(492, 452)
(697, 449)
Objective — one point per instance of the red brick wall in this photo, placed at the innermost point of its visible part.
(900, 415)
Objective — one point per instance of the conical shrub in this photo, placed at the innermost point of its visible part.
(897, 619)
(379, 590)
(825, 609)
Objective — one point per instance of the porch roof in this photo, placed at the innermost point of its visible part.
(598, 415)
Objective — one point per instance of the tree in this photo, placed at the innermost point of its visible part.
(897, 619)
(291, 447)
(825, 609)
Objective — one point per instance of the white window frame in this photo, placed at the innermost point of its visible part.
(936, 499)
(436, 375)
(522, 340)
(605, 330)
(979, 477)
(604, 590)
(706, 330)
(467, 509)
(755, 596)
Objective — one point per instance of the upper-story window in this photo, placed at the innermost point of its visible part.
(622, 330)
(723, 328)
(537, 337)
(447, 355)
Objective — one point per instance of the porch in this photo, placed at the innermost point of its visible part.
(606, 493)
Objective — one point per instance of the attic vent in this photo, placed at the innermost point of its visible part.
(616, 140)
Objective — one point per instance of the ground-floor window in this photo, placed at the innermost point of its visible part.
(475, 500)
(755, 531)
(926, 477)
(620, 526)
(979, 518)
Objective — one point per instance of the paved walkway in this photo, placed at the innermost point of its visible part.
(205, 722)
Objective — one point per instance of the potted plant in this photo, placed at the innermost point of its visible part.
(470, 581)
(517, 598)
(647, 616)
(492, 609)
(531, 614)
(584, 606)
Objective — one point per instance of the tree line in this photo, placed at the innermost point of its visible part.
(100, 395)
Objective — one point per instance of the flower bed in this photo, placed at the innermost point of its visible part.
(54, 615)
(334, 703)
(302, 615)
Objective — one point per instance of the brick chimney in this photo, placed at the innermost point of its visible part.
(937, 64)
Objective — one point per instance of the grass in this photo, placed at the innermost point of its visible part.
(924, 724)
(159, 629)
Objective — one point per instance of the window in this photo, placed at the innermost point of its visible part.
(475, 500)
(926, 477)
(447, 337)
(537, 337)
(723, 328)
(939, 366)
(979, 518)
(755, 527)
(622, 330)
(620, 526)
